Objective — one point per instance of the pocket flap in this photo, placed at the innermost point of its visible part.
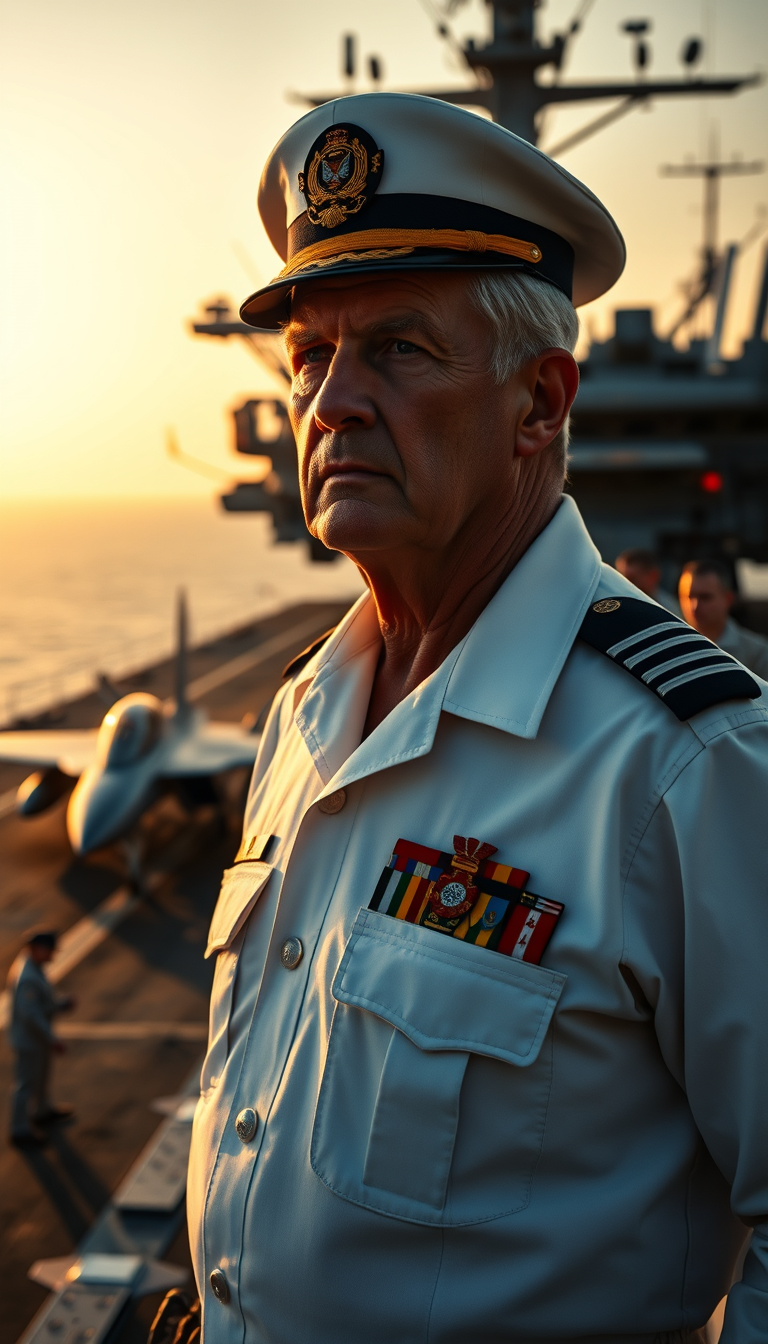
(241, 887)
(445, 994)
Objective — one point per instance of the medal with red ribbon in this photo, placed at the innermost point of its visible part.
(454, 893)
(467, 896)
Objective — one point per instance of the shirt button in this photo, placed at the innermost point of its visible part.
(246, 1125)
(219, 1286)
(333, 803)
(291, 953)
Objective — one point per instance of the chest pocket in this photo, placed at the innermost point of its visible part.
(241, 888)
(434, 1094)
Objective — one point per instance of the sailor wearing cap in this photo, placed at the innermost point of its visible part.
(487, 1055)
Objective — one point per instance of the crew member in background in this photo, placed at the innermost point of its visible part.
(33, 1005)
(706, 597)
(642, 568)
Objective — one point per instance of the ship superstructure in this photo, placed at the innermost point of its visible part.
(670, 446)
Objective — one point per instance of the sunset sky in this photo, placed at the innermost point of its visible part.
(132, 140)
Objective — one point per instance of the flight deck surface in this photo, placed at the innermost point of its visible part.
(134, 966)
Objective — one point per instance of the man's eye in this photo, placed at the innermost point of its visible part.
(313, 355)
(405, 348)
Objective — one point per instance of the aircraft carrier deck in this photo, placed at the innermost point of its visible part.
(135, 967)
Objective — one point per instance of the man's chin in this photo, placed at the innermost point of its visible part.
(355, 526)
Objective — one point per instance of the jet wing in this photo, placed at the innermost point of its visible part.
(71, 749)
(212, 748)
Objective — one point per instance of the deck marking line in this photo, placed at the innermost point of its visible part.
(132, 1031)
(84, 936)
(7, 803)
(245, 662)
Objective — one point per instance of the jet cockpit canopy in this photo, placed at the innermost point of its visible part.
(129, 731)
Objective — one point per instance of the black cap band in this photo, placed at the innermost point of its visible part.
(411, 213)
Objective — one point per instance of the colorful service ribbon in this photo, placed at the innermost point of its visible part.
(467, 895)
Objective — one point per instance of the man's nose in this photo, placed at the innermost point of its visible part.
(343, 401)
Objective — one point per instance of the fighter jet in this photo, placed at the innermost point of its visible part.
(144, 748)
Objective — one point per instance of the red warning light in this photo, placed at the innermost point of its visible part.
(711, 482)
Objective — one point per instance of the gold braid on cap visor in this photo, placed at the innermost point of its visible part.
(379, 243)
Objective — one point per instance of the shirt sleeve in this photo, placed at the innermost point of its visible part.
(700, 956)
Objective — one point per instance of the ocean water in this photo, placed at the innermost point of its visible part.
(89, 587)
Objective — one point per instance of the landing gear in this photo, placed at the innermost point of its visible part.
(134, 850)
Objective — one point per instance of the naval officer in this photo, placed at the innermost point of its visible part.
(487, 1055)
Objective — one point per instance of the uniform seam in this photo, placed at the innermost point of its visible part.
(435, 1285)
(646, 816)
(670, 776)
(732, 723)
(668, 780)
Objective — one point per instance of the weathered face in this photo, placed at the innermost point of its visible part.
(704, 602)
(402, 432)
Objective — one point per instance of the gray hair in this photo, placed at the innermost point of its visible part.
(526, 315)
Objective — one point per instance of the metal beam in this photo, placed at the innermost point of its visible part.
(646, 88)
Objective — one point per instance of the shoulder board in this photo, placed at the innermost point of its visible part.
(686, 670)
(301, 659)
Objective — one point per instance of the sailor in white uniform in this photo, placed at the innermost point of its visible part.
(487, 1057)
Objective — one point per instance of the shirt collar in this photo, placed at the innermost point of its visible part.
(501, 674)
(515, 651)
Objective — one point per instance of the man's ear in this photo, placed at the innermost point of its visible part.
(552, 380)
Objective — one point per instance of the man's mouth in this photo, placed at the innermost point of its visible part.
(346, 470)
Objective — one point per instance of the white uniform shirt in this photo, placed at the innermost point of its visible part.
(454, 1147)
(750, 649)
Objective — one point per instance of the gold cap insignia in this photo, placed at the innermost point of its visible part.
(607, 604)
(341, 174)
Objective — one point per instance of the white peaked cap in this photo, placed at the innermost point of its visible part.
(398, 182)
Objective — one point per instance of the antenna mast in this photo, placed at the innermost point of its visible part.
(506, 68)
(711, 172)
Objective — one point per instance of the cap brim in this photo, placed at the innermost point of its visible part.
(269, 308)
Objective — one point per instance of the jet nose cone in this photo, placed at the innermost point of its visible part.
(86, 832)
(85, 820)
(102, 808)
